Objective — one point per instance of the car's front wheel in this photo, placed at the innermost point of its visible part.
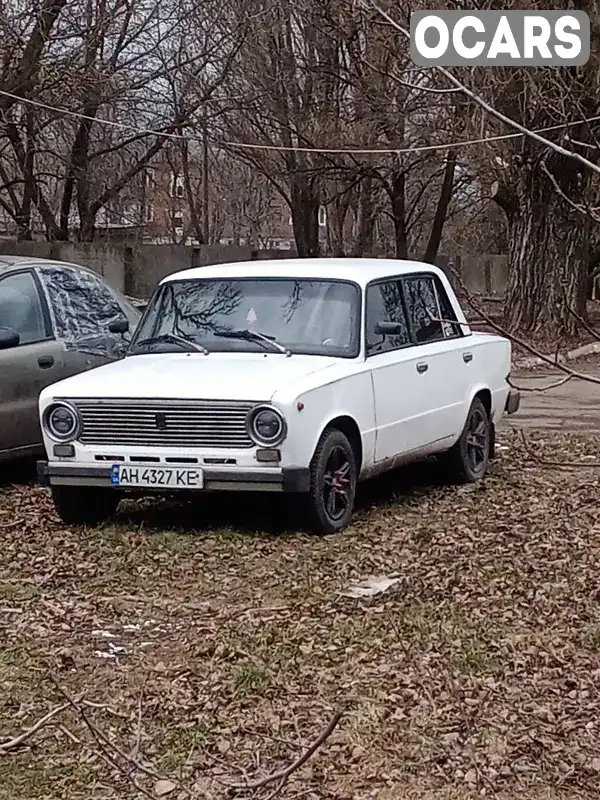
(333, 479)
(84, 505)
(467, 461)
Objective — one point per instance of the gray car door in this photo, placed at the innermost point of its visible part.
(25, 369)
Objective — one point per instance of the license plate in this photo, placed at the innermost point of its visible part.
(156, 477)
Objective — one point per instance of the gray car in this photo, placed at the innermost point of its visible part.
(56, 320)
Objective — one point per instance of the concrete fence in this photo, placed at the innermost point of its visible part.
(135, 270)
(485, 274)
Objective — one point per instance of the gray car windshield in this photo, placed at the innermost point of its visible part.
(315, 317)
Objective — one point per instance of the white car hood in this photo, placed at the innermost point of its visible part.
(226, 376)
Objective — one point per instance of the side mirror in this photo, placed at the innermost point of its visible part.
(8, 338)
(119, 326)
(389, 328)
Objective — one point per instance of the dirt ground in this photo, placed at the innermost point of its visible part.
(189, 647)
(574, 406)
(192, 646)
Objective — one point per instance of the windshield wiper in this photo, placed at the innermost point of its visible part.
(171, 337)
(253, 336)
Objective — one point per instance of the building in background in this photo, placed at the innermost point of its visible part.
(167, 204)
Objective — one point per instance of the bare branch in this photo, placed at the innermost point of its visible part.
(517, 339)
(18, 740)
(283, 774)
(490, 109)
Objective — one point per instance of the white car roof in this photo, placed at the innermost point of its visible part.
(359, 270)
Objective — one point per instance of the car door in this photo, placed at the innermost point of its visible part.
(398, 389)
(26, 368)
(442, 360)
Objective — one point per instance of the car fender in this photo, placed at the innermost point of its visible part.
(474, 390)
(309, 412)
(493, 359)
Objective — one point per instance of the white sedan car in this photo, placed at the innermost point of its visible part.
(302, 376)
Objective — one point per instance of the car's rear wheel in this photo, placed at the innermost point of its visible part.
(333, 479)
(467, 461)
(84, 505)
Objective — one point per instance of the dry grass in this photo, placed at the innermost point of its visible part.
(226, 650)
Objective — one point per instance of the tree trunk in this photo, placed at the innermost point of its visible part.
(77, 177)
(195, 220)
(24, 222)
(305, 218)
(548, 251)
(337, 216)
(22, 77)
(20, 151)
(397, 195)
(363, 245)
(441, 211)
(87, 227)
(547, 275)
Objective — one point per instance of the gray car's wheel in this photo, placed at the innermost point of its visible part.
(333, 482)
(84, 505)
(467, 460)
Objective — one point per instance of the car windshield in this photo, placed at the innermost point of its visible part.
(316, 317)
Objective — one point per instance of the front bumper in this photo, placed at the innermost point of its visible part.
(513, 401)
(282, 480)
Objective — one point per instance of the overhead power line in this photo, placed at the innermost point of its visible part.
(225, 144)
(524, 131)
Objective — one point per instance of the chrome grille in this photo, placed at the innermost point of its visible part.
(180, 423)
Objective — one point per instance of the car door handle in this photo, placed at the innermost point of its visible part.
(46, 362)
(421, 367)
(467, 357)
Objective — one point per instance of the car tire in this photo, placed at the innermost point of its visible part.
(333, 479)
(84, 505)
(467, 460)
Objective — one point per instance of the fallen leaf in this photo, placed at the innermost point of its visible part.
(371, 587)
(471, 776)
(493, 632)
(164, 787)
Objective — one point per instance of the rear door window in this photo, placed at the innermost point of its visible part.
(429, 309)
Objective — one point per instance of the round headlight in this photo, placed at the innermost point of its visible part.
(267, 426)
(61, 421)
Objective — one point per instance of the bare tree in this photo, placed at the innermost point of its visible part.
(152, 67)
(318, 79)
(550, 242)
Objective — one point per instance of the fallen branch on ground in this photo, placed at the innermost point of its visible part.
(10, 745)
(517, 339)
(582, 322)
(561, 382)
(12, 524)
(591, 349)
(110, 752)
(555, 464)
(554, 385)
(99, 735)
(103, 707)
(283, 774)
(128, 764)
